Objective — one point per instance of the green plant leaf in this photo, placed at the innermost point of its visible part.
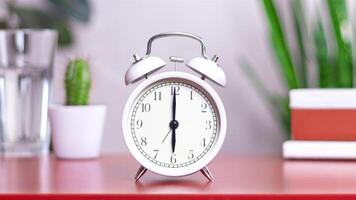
(65, 35)
(33, 18)
(340, 22)
(282, 110)
(279, 104)
(78, 9)
(326, 70)
(281, 50)
(254, 79)
(3, 25)
(299, 23)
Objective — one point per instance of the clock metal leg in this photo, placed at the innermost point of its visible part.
(140, 172)
(206, 172)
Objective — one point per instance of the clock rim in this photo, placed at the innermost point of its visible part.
(194, 167)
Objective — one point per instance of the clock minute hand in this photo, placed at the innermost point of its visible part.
(174, 105)
(174, 122)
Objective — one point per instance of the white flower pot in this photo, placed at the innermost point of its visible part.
(77, 130)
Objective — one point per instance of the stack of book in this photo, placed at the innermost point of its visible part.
(323, 124)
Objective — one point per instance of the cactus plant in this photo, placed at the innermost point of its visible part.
(77, 82)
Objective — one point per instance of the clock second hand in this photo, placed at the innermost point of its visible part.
(166, 136)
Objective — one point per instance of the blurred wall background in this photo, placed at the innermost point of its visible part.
(232, 29)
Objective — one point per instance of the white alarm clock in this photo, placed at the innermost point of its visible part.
(174, 123)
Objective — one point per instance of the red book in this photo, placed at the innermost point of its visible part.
(323, 114)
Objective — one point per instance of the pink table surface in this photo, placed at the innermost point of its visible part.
(233, 174)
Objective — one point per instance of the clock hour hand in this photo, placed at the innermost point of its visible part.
(173, 139)
(173, 124)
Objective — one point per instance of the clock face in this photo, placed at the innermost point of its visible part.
(173, 123)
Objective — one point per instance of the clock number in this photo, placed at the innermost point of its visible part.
(204, 106)
(173, 158)
(146, 107)
(143, 141)
(191, 154)
(177, 89)
(156, 153)
(203, 143)
(139, 124)
(158, 96)
(208, 125)
(191, 94)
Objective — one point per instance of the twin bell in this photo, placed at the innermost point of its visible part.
(147, 65)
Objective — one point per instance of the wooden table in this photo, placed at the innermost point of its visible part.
(235, 176)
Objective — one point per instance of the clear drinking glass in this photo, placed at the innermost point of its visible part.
(26, 66)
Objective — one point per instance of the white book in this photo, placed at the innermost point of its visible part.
(293, 149)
